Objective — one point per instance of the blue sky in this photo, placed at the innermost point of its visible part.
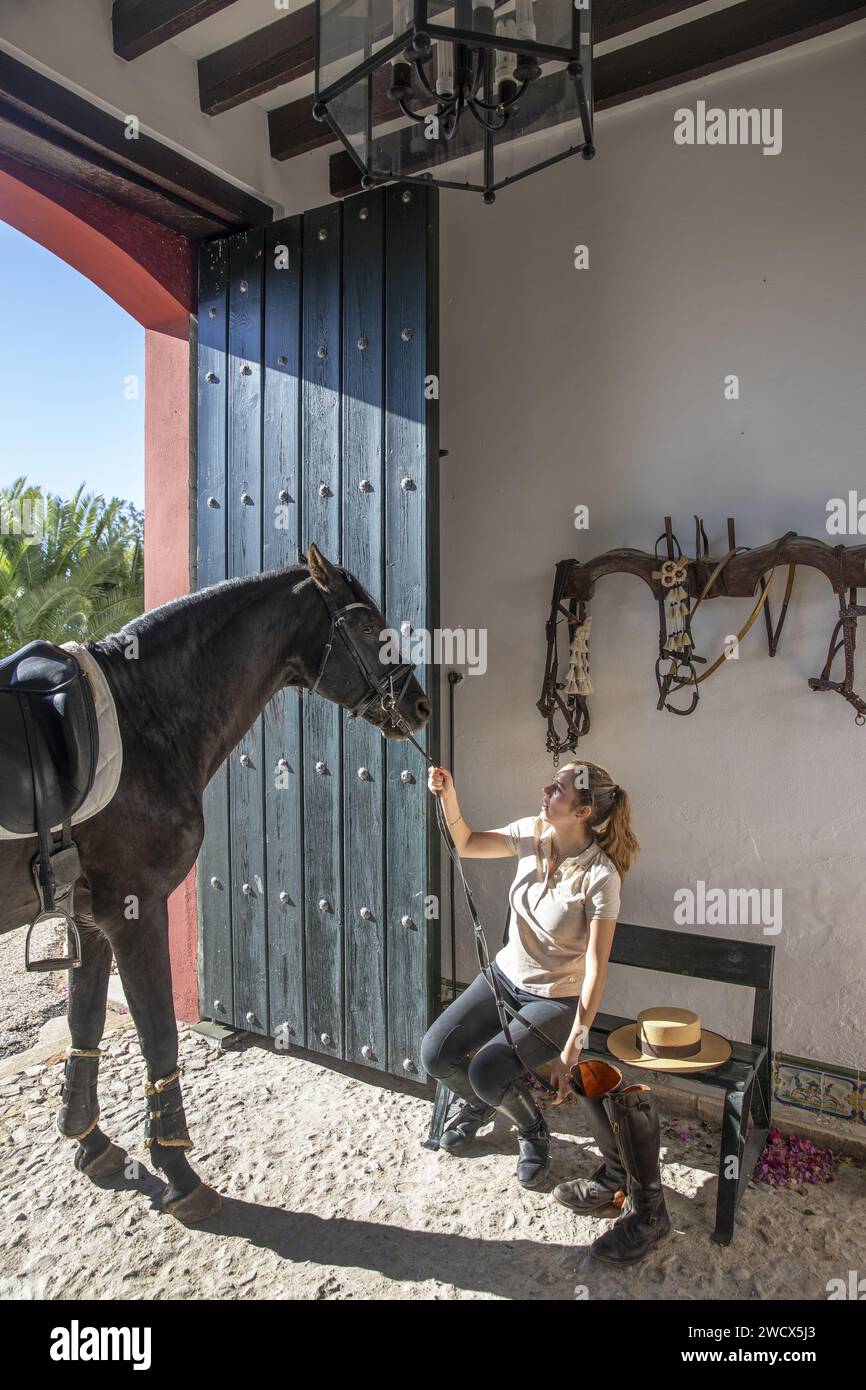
(66, 351)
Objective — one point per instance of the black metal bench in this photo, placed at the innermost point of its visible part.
(745, 1078)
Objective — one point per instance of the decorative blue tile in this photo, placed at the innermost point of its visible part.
(800, 1086)
(841, 1096)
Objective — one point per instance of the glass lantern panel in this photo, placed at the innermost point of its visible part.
(350, 110)
(545, 124)
(352, 31)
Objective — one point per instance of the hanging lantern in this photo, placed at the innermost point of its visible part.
(468, 94)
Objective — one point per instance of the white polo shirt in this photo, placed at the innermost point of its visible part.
(549, 929)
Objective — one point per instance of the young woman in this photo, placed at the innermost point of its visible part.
(565, 896)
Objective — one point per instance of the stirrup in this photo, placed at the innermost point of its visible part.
(69, 962)
(55, 882)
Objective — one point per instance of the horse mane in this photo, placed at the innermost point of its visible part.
(164, 620)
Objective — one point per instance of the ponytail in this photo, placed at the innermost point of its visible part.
(614, 833)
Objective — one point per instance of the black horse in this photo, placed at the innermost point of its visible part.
(207, 665)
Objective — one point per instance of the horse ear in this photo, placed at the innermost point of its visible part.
(319, 568)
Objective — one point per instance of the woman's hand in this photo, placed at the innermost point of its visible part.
(439, 781)
(560, 1069)
(558, 1078)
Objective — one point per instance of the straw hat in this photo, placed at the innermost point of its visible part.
(668, 1039)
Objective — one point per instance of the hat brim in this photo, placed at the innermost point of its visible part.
(715, 1051)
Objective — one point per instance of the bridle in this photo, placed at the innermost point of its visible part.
(381, 688)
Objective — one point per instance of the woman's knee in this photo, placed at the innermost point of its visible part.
(437, 1058)
(491, 1072)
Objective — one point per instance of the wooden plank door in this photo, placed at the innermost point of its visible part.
(281, 473)
(318, 422)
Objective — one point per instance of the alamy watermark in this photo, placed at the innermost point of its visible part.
(23, 517)
(729, 907)
(846, 516)
(452, 646)
(85, 1343)
(737, 126)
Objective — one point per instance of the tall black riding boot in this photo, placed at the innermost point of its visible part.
(470, 1117)
(644, 1221)
(533, 1136)
(603, 1192)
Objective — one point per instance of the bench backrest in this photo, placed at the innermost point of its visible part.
(731, 962)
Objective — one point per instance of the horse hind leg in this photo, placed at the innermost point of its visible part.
(96, 1156)
(141, 949)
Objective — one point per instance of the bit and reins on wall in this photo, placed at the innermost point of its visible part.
(680, 583)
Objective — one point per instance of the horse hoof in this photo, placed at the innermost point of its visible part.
(109, 1160)
(198, 1205)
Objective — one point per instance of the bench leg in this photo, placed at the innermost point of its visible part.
(441, 1105)
(746, 1150)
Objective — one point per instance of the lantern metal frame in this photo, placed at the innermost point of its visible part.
(416, 43)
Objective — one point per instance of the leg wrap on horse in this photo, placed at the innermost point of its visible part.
(79, 1107)
(165, 1124)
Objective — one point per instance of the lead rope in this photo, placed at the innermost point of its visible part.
(503, 1008)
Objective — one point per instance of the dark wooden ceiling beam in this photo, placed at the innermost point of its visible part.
(688, 51)
(52, 128)
(718, 41)
(256, 64)
(138, 26)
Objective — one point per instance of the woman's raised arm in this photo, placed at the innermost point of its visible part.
(470, 844)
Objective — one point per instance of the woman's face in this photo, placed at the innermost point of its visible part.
(559, 798)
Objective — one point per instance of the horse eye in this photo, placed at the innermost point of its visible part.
(367, 629)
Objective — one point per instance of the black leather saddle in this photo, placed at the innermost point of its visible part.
(48, 750)
(48, 738)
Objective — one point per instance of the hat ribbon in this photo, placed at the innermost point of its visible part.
(643, 1045)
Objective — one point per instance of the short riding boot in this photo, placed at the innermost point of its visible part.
(533, 1135)
(644, 1221)
(472, 1115)
(466, 1124)
(604, 1191)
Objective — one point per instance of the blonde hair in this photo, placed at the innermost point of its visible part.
(610, 820)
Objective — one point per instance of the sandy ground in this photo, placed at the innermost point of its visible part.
(329, 1194)
(26, 1000)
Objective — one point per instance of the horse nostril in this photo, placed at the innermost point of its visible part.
(423, 708)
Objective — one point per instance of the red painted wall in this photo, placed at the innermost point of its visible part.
(167, 523)
(149, 271)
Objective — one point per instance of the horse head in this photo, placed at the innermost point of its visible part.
(351, 669)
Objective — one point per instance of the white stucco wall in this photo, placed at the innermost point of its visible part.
(605, 387)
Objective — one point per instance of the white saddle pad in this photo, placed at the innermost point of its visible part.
(109, 759)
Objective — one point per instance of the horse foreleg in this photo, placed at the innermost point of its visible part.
(96, 1155)
(141, 949)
